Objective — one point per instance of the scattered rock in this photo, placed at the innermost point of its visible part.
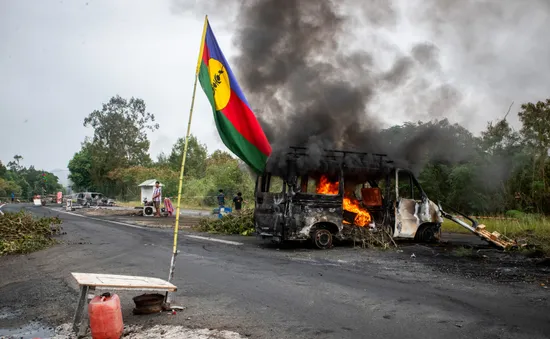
(165, 331)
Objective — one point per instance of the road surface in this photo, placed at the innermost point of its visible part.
(263, 292)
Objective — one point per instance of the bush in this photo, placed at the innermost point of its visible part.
(242, 224)
(23, 233)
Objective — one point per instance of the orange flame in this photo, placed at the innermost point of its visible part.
(327, 187)
(362, 218)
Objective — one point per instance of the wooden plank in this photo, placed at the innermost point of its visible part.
(123, 281)
(133, 289)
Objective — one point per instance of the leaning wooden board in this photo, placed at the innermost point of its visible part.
(123, 282)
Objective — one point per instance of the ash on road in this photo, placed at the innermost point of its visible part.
(265, 292)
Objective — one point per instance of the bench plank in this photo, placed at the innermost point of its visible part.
(123, 281)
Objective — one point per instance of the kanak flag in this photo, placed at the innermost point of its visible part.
(236, 123)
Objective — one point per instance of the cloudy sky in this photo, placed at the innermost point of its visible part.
(61, 60)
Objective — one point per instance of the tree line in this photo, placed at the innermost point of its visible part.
(25, 182)
(501, 170)
(116, 159)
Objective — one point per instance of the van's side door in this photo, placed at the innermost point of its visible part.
(408, 198)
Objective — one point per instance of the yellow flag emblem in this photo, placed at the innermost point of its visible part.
(220, 83)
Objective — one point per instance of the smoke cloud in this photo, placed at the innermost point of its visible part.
(321, 74)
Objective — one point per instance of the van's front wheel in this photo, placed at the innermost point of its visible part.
(322, 238)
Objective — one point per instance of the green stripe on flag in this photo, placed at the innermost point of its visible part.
(228, 133)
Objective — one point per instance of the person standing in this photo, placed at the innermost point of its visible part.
(238, 202)
(157, 193)
(221, 198)
(12, 197)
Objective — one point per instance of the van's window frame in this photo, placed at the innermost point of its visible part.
(413, 186)
(313, 176)
(265, 183)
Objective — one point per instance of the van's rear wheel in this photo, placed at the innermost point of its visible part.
(322, 238)
(428, 234)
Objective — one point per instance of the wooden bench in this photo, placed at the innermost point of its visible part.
(89, 282)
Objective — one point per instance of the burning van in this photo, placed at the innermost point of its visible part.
(342, 192)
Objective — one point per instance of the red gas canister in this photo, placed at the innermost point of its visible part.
(105, 317)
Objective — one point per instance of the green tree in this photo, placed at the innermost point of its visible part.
(3, 170)
(230, 174)
(162, 160)
(120, 131)
(434, 179)
(535, 118)
(219, 157)
(26, 190)
(119, 140)
(7, 187)
(80, 167)
(500, 139)
(15, 165)
(504, 158)
(415, 144)
(41, 182)
(195, 165)
(127, 179)
(25, 182)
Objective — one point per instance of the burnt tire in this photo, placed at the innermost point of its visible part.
(322, 238)
(427, 235)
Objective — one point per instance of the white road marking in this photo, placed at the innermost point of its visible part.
(229, 242)
(98, 219)
(198, 237)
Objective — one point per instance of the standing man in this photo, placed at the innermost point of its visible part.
(238, 202)
(12, 197)
(221, 199)
(157, 193)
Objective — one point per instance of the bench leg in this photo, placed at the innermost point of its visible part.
(80, 308)
(81, 319)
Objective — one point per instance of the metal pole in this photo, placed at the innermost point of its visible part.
(184, 156)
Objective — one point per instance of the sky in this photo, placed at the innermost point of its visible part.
(61, 60)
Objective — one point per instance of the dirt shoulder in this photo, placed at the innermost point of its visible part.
(188, 218)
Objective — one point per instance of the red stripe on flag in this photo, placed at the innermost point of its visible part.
(205, 54)
(245, 122)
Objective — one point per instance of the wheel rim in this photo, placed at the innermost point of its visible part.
(323, 238)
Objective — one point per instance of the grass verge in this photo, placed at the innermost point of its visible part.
(21, 232)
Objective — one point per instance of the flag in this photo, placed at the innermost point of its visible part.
(236, 123)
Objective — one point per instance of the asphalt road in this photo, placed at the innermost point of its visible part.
(268, 293)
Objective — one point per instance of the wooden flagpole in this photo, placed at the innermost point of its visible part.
(176, 227)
